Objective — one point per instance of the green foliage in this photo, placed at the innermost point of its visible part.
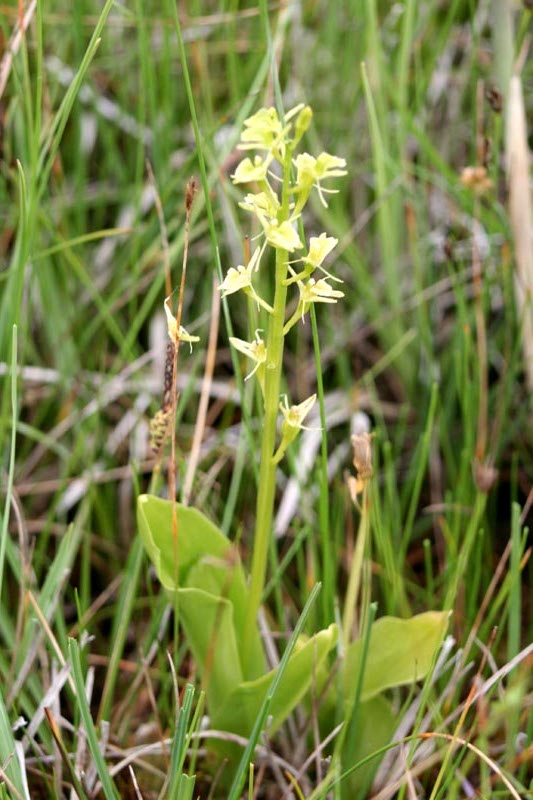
(209, 589)
(207, 585)
(204, 570)
(400, 652)
(8, 756)
(241, 707)
(376, 722)
(93, 91)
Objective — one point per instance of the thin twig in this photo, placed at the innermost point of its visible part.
(135, 784)
(455, 740)
(14, 44)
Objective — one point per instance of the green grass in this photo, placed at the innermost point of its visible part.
(96, 89)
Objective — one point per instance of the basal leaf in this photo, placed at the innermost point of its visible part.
(376, 723)
(400, 652)
(208, 624)
(197, 537)
(206, 561)
(243, 704)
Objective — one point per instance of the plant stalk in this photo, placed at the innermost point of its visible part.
(356, 572)
(267, 472)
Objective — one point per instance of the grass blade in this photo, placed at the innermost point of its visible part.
(108, 787)
(244, 764)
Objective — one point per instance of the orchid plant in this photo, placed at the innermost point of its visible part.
(217, 603)
(278, 205)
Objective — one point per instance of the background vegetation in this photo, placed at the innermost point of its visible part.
(429, 348)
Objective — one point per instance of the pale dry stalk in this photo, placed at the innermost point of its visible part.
(520, 216)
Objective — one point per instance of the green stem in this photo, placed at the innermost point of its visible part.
(356, 571)
(328, 593)
(267, 472)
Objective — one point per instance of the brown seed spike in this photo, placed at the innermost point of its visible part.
(190, 193)
(159, 425)
(495, 99)
(167, 381)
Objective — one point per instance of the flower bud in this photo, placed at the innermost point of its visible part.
(303, 121)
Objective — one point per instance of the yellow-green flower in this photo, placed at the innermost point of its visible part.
(295, 415)
(249, 171)
(312, 292)
(256, 351)
(317, 292)
(237, 278)
(292, 423)
(262, 131)
(310, 171)
(319, 247)
(240, 279)
(264, 206)
(282, 235)
(265, 131)
(177, 334)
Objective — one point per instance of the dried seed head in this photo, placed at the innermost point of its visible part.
(355, 487)
(158, 428)
(485, 475)
(485, 151)
(190, 193)
(477, 179)
(494, 99)
(168, 375)
(362, 455)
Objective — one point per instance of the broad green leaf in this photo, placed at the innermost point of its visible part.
(206, 560)
(209, 582)
(400, 652)
(197, 538)
(208, 624)
(240, 710)
(376, 723)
